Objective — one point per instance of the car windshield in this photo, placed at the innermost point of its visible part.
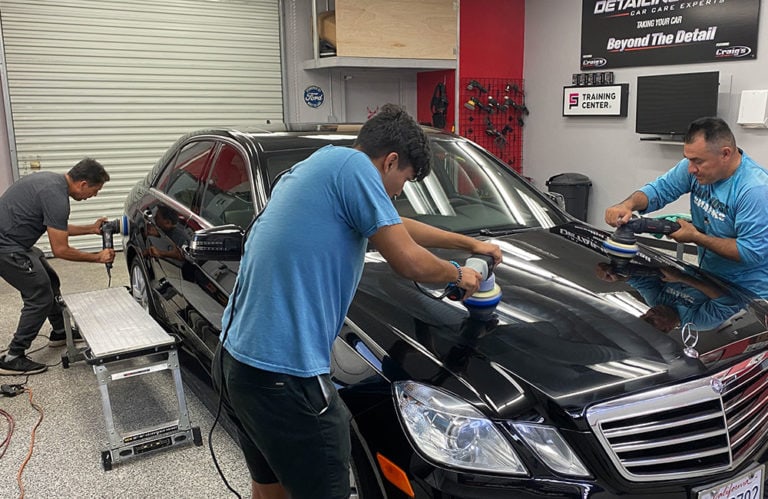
(470, 192)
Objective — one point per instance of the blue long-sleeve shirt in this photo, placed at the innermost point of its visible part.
(735, 207)
(691, 305)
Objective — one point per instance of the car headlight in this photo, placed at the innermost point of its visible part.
(549, 445)
(448, 430)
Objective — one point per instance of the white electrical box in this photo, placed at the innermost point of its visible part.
(753, 109)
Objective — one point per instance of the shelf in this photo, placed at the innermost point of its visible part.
(659, 140)
(379, 62)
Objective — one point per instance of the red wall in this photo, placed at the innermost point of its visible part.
(491, 37)
(491, 40)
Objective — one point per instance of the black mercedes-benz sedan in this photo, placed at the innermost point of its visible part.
(586, 374)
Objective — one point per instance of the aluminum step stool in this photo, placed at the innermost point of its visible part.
(116, 328)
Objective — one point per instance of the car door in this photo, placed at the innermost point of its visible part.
(165, 213)
(227, 197)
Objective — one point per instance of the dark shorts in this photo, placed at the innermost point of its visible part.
(287, 430)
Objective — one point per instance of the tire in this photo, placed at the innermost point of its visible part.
(140, 286)
(362, 477)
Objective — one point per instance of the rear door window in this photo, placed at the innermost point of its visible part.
(182, 179)
(228, 196)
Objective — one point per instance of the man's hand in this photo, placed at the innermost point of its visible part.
(106, 255)
(669, 274)
(687, 233)
(486, 248)
(95, 227)
(470, 281)
(607, 272)
(617, 215)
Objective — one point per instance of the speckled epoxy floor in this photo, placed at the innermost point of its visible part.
(66, 457)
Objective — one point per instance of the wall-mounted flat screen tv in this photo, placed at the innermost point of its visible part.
(666, 104)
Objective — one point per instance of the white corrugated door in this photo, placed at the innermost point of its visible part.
(120, 80)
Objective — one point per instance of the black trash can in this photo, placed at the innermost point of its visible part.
(575, 189)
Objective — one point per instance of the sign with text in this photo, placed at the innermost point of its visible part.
(626, 33)
(596, 101)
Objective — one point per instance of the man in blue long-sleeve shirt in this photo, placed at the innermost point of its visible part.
(729, 204)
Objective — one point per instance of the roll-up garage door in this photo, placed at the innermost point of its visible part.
(120, 80)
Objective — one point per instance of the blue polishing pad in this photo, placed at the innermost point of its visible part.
(620, 250)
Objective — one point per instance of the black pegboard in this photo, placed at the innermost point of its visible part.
(492, 114)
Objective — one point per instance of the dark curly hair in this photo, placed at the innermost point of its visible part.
(394, 130)
(90, 170)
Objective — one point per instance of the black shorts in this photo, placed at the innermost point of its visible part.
(288, 431)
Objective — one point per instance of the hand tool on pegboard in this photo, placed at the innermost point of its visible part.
(499, 104)
(473, 84)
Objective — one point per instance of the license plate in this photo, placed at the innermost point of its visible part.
(746, 486)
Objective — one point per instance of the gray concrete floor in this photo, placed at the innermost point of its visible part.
(65, 459)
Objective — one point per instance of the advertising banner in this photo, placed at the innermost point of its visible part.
(626, 33)
(596, 101)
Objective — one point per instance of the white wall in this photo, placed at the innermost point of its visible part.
(350, 92)
(608, 150)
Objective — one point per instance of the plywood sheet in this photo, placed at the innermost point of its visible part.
(423, 29)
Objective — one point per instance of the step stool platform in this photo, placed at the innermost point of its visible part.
(118, 333)
(112, 323)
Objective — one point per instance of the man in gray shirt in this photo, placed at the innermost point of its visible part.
(37, 204)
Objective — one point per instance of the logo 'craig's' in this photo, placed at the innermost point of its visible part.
(733, 51)
(610, 6)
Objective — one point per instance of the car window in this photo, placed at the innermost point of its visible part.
(227, 197)
(470, 191)
(181, 179)
(278, 162)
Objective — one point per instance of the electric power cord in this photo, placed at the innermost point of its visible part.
(221, 389)
(7, 440)
(221, 348)
(429, 294)
(11, 390)
(210, 445)
(31, 442)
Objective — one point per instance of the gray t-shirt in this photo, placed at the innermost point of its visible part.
(29, 206)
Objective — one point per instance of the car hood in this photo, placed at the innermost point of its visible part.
(561, 329)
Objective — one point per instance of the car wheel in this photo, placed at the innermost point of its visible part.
(362, 477)
(140, 286)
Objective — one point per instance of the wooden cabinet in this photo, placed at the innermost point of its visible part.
(390, 33)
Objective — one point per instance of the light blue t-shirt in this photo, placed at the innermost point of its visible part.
(303, 261)
(736, 207)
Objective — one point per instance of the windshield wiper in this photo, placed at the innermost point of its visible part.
(503, 231)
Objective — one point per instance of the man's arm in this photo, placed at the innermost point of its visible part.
(432, 237)
(60, 247)
(415, 262)
(620, 213)
(723, 246)
(81, 230)
(674, 275)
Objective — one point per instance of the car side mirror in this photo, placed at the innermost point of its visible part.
(223, 242)
(558, 198)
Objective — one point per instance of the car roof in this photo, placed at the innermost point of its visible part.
(286, 136)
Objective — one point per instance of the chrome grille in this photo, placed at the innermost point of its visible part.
(688, 430)
(745, 400)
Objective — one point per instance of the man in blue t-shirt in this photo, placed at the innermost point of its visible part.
(729, 205)
(36, 204)
(302, 262)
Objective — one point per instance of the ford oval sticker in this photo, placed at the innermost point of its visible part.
(314, 96)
